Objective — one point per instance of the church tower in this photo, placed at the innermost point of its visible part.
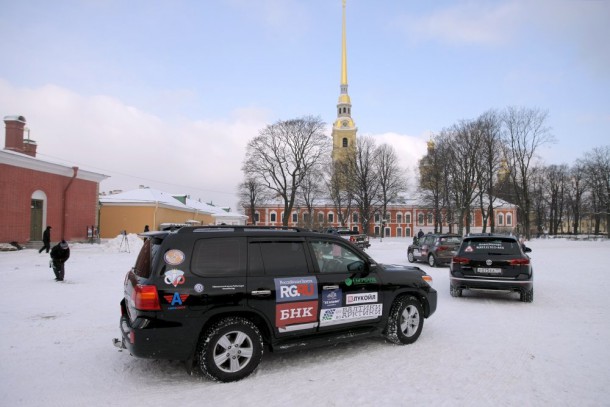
(344, 128)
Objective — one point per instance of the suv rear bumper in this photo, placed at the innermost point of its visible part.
(490, 284)
(144, 338)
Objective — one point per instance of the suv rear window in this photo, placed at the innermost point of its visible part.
(147, 253)
(219, 257)
(491, 246)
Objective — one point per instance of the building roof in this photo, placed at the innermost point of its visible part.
(20, 160)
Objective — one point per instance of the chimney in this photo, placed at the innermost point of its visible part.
(15, 128)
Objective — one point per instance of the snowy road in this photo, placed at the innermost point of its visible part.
(481, 349)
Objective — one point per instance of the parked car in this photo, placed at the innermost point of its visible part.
(359, 239)
(434, 249)
(215, 297)
(492, 262)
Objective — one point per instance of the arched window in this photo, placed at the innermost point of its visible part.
(331, 217)
(420, 218)
(355, 217)
(295, 217)
(500, 219)
(408, 218)
(399, 218)
(273, 217)
(429, 218)
(509, 219)
(344, 142)
(320, 217)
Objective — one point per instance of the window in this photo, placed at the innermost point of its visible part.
(377, 218)
(429, 219)
(399, 218)
(305, 217)
(376, 231)
(295, 217)
(355, 217)
(420, 219)
(331, 218)
(408, 232)
(277, 258)
(320, 217)
(388, 232)
(509, 219)
(407, 218)
(219, 257)
(398, 232)
(387, 217)
(273, 217)
(344, 142)
(256, 217)
(333, 257)
(500, 219)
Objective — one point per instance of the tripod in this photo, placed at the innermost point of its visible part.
(124, 246)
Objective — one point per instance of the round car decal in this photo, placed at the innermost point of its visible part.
(174, 277)
(174, 257)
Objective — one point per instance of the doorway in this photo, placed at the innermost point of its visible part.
(36, 220)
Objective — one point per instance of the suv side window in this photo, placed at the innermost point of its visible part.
(282, 257)
(332, 257)
(219, 257)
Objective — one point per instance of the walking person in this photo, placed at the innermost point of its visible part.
(60, 253)
(46, 240)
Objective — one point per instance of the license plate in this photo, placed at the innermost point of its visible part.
(486, 270)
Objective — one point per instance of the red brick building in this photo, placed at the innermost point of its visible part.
(35, 193)
(402, 219)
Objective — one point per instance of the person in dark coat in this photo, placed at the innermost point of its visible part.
(46, 240)
(60, 253)
(420, 234)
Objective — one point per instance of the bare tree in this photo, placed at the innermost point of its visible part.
(392, 179)
(311, 191)
(252, 193)
(525, 132)
(364, 182)
(598, 178)
(575, 194)
(489, 125)
(339, 190)
(282, 155)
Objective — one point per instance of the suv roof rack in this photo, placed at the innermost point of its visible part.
(238, 228)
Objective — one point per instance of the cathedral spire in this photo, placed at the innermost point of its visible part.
(344, 129)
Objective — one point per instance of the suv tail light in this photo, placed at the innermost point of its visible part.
(519, 262)
(146, 298)
(460, 260)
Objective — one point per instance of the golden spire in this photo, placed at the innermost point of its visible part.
(343, 52)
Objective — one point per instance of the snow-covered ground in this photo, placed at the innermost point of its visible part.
(479, 350)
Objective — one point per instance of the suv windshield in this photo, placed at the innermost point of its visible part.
(492, 245)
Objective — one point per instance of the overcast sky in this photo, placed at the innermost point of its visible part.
(168, 93)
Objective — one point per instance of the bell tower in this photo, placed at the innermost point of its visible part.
(344, 128)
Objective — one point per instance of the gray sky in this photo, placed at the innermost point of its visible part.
(168, 93)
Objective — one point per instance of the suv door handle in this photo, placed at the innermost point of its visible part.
(331, 287)
(261, 293)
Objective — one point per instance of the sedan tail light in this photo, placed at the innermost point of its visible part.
(146, 298)
(519, 262)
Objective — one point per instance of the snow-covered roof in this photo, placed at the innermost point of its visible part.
(143, 196)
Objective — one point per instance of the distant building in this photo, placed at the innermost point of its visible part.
(131, 211)
(37, 193)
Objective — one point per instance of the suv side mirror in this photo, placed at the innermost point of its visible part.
(358, 266)
(526, 249)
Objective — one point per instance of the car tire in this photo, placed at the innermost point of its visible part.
(241, 343)
(432, 261)
(405, 322)
(410, 257)
(455, 292)
(527, 296)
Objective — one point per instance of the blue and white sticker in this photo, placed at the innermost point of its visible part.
(199, 288)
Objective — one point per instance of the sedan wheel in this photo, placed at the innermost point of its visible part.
(410, 257)
(432, 260)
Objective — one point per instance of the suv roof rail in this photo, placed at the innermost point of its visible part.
(238, 228)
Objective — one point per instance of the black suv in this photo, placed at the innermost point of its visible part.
(492, 262)
(435, 249)
(216, 296)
